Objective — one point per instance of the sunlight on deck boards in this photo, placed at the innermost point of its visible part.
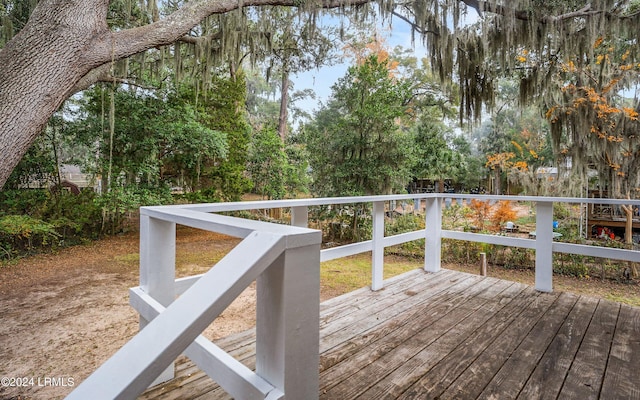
(452, 335)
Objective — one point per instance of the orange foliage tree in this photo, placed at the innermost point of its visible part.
(593, 123)
(480, 211)
(503, 212)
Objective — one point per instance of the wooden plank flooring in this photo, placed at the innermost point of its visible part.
(452, 335)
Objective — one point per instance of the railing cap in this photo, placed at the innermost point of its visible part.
(266, 204)
(237, 227)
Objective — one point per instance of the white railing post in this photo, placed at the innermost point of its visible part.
(377, 252)
(433, 234)
(288, 323)
(158, 268)
(416, 205)
(544, 246)
(300, 216)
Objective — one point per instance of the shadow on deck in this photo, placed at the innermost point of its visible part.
(452, 335)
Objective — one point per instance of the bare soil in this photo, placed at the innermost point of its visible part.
(64, 314)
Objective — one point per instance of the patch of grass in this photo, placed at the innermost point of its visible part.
(130, 258)
(622, 298)
(354, 272)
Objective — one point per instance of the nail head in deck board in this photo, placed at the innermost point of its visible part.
(546, 380)
(623, 356)
(587, 371)
(622, 380)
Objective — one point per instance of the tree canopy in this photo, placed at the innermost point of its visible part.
(51, 49)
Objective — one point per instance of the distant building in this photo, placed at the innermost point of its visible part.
(548, 173)
(71, 178)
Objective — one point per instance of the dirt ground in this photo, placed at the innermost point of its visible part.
(64, 314)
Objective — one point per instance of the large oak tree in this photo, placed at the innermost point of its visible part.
(67, 45)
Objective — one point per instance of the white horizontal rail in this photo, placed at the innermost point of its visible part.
(232, 226)
(132, 369)
(367, 245)
(597, 251)
(346, 250)
(491, 239)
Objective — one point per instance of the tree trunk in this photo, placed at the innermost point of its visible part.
(39, 66)
(66, 46)
(284, 100)
(498, 181)
(628, 235)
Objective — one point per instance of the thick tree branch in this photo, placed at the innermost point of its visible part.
(413, 25)
(127, 42)
(522, 15)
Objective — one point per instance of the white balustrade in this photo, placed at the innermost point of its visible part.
(284, 260)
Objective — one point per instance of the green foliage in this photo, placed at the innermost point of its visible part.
(158, 137)
(297, 178)
(224, 109)
(435, 158)
(267, 164)
(22, 232)
(345, 223)
(356, 144)
(38, 164)
(120, 203)
(13, 16)
(25, 201)
(571, 264)
(459, 251)
(36, 220)
(402, 224)
(561, 211)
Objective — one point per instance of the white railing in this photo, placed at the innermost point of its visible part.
(285, 262)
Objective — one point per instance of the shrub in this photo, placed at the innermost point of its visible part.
(22, 232)
(503, 212)
(480, 211)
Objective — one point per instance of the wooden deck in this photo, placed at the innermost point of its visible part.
(452, 335)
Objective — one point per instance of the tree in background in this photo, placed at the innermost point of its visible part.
(66, 47)
(267, 164)
(435, 156)
(357, 143)
(224, 109)
(592, 122)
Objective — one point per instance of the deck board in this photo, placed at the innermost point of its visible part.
(587, 372)
(452, 335)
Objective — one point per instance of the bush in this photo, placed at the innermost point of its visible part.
(403, 224)
(571, 264)
(346, 223)
(25, 201)
(22, 232)
(461, 251)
